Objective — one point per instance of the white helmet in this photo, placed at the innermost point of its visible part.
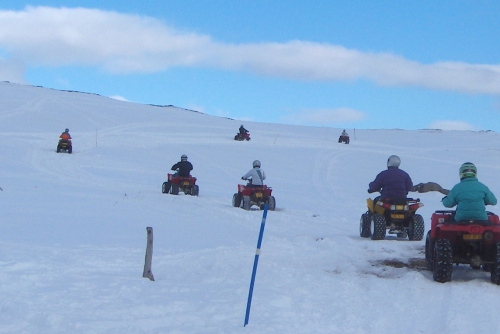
(393, 161)
(256, 163)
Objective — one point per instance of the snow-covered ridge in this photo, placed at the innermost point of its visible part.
(74, 226)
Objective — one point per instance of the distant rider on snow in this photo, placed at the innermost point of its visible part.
(256, 176)
(344, 133)
(242, 130)
(183, 167)
(393, 183)
(470, 196)
(65, 135)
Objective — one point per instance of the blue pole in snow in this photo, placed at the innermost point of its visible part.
(255, 262)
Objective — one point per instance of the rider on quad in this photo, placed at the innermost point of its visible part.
(393, 183)
(256, 176)
(181, 180)
(255, 192)
(392, 210)
(183, 168)
(344, 137)
(64, 144)
(242, 131)
(242, 134)
(470, 196)
(65, 135)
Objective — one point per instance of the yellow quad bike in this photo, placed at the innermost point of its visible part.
(397, 216)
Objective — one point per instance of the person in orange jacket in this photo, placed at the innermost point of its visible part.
(65, 135)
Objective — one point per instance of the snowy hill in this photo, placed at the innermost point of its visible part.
(73, 227)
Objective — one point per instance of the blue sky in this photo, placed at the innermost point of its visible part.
(349, 64)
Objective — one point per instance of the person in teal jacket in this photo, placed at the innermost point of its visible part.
(470, 196)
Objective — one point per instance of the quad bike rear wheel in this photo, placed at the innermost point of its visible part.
(272, 203)
(237, 200)
(246, 203)
(364, 225)
(195, 190)
(495, 270)
(429, 252)
(377, 227)
(174, 189)
(443, 261)
(416, 228)
(165, 187)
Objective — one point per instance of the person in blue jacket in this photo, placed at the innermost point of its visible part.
(470, 196)
(393, 183)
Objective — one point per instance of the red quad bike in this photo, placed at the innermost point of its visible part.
(64, 145)
(399, 217)
(180, 183)
(242, 136)
(473, 242)
(248, 196)
(344, 139)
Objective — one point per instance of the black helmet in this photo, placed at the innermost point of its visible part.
(66, 130)
(184, 157)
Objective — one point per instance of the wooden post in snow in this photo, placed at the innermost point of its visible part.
(149, 255)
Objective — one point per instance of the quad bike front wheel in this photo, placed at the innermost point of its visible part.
(442, 261)
(364, 225)
(377, 227)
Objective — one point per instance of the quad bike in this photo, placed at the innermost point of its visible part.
(473, 242)
(344, 139)
(257, 195)
(177, 183)
(397, 216)
(64, 145)
(242, 136)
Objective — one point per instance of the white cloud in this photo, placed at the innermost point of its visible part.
(325, 116)
(124, 43)
(452, 125)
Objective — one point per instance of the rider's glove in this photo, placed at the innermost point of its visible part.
(243, 178)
